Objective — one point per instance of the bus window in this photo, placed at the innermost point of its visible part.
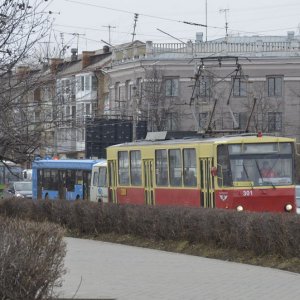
(189, 166)
(102, 177)
(79, 177)
(95, 179)
(123, 162)
(50, 180)
(161, 167)
(175, 167)
(70, 180)
(135, 167)
(47, 179)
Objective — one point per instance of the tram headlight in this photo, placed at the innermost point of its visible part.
(240, 208)
(288, 207)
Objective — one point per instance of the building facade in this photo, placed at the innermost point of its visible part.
(250, 83)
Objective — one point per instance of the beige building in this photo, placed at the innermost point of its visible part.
(215, 85)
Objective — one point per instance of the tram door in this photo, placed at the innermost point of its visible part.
(206, 183)
(112, 181)
(148, 177)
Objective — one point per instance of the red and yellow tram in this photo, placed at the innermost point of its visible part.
(226, 172)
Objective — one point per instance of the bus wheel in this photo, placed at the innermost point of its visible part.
(47, 197)
(77, 197)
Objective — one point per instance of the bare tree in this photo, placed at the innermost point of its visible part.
(155, 105)
(264, 110)
(23, 25)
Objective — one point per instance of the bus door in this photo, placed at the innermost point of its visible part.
(98, 189)
(148, 177)
(62, 184)
(112, 181)
(86, 181)
(206, 183)
(39, 183)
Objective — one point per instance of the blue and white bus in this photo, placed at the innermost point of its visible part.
(68, 179)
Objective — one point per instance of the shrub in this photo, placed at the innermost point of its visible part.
(31, 259)
(261, 233)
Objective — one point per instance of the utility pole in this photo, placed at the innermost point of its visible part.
(134, 26)
(206, 20)
(63, 47)
(78, 34)
(134, 113)
(109, 28)
(225, 10)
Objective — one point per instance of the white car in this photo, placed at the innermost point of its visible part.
(298, 198)
(21, 189)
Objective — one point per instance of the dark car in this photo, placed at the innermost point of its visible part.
(21, 189)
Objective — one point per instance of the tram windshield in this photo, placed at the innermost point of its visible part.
(255, 164)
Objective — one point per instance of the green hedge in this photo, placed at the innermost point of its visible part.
(262, 233)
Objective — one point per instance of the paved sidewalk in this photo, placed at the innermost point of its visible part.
(106, 270)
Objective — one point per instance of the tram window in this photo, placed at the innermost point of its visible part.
(135, 167)
(95, 179)
(161, 167)
(175, 167)
(224, 173)
(123, 162)
(189, 166)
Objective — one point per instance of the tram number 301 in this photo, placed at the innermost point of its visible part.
(247, 193)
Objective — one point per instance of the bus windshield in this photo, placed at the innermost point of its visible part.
(255, 164)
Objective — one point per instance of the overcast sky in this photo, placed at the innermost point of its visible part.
(89, 20)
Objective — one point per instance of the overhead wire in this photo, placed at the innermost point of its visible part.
(132, 12)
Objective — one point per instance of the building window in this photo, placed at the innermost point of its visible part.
(37, 94)
(203, 87)
(117, 91)
(36, 116)
(80, 135)
(171, 121)
(274, 86)
(65, 86)
(127, 90)
(274, 121)
(88, 109)
(139, 86)
(73, 112)
(87, 83)
(171, 87)
(94, 83)
(239, 87)
(82, 83)
(68, 112)
(241, 119)
(203, 118)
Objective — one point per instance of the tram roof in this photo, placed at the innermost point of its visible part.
(250, 138)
